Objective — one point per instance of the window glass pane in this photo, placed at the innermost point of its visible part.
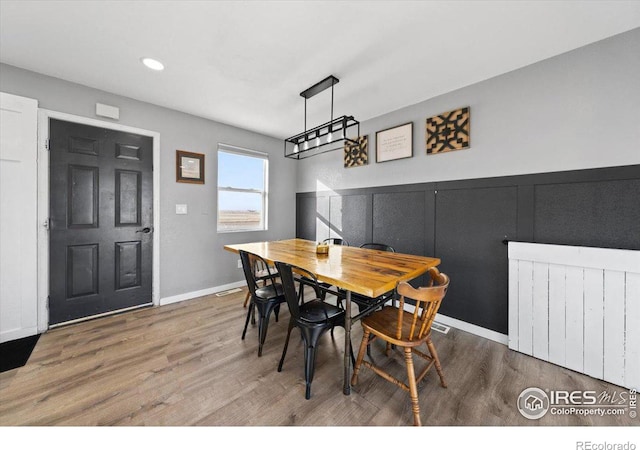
(240, 171)
(239, 211)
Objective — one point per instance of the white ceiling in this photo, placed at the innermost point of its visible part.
(245, 63)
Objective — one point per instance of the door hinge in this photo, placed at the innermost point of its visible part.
(47, 223)
(47, 144)
(48, 300)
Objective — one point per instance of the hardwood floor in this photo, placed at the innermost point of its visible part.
(185, 364)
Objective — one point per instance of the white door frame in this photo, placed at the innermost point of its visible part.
(43, 203)
(18, 223)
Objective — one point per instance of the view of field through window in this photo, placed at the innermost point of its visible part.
(241, 192)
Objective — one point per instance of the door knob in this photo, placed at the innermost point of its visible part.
(145, 230)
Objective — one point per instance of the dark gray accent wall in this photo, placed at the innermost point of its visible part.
(348, 216)
(471, 224)
(591, 210)
(393, 211)
(465, 224)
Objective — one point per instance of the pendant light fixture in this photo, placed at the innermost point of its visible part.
(329, 136)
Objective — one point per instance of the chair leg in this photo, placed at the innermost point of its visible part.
(353, 357)
(263, 324)
(436, 361)
(246, 299)
(309, 366)
(246, 323)
(262, 332)
(413, 387)
(310, 337)
(363, 348)
(286, 345)
(369, 347)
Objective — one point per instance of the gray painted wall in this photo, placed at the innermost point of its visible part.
(578, 110)
(575, 111)
(192, 255)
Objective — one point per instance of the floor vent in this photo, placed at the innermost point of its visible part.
(230, 291)
(439, 327)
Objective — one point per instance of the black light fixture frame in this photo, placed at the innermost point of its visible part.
(316, 140)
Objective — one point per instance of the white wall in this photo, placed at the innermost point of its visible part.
(192, 254)
(575, 111)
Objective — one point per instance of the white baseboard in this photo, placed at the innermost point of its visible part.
(465, 326)
(200, 293)
(473, 329)
(445, 320)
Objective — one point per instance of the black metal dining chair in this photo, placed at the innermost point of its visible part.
(265, 299)
(377, 246)
(313, 318)
(336, 241)
(324, 286)
(331, 241)
(262, 274)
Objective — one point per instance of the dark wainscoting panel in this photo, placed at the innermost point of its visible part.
(348, 214)
(591, 211)
(464, 222)
(470, 227)
(306, 217)
(398, 221)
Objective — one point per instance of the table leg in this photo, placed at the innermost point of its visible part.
(346, 388)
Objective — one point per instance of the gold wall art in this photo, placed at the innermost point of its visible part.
(356, 154)
(448, 131)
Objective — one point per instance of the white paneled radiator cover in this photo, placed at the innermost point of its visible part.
(577, 307)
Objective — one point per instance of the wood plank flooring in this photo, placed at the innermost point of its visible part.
(185, 364)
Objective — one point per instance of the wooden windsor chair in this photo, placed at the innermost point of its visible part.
(407, 330)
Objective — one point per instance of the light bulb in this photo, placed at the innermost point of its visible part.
(296, 149)
(330, 137)
(153, 64)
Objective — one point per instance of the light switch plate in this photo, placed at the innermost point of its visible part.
(181, 209)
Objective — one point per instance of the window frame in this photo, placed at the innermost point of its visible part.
(264, 222)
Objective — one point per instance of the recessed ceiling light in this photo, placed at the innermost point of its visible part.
(153, 64)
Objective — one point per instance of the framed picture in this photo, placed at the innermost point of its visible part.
(394, 143)
(189, 167)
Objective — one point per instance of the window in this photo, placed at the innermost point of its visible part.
(242, 189)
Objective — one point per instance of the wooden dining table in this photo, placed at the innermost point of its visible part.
(370, 273)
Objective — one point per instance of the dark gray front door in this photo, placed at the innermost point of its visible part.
(101, 209)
